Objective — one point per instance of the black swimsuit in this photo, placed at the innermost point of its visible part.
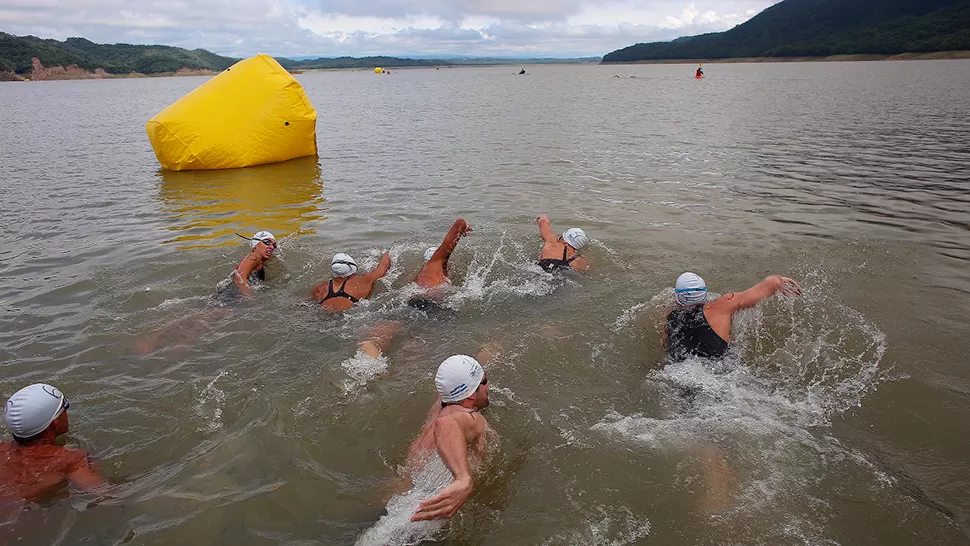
(689, 333)
(254, 275)
(552, 264)
(425, 304)
(338, 294)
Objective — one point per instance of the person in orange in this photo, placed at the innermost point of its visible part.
(455, 430)
(33, 466)
(698, 327)
(435, 270)
(250, 269)
(561, 253)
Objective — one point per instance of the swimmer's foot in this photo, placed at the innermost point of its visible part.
(369, 348)
(488, 352)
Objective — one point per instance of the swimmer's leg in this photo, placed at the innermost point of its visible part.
(180, 333)
(719, 478)
(380, 337)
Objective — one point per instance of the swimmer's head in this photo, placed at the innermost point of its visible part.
(264, 237)
(460, 377)
(575, 237)
(343, 265)
(429, 253)
(32, 410)
(690, 289)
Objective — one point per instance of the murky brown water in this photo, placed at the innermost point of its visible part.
(843, 421)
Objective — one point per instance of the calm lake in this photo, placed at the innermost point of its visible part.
(842, 419)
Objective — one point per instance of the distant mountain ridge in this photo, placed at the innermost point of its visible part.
(17, 54)
(809, 28)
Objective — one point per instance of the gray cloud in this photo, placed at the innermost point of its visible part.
(383, 27)
(529, 11)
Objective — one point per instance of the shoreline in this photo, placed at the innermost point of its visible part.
(58, 73)
(934, 56)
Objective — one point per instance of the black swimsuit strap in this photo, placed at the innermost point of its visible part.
(339, 293)
(343, 293)
(570, 260)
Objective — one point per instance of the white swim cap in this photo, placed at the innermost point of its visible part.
(575, 237)
(690, 289)
(429, 253)
(32, 409)
(343, 265)
(260, 235)
(458, 378)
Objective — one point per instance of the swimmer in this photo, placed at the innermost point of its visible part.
(702, 328)
(250, 269)
(561, 253)
(34, 466)
(435, 270)
(347, 286)
(455, 429)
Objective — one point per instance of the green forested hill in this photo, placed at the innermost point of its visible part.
(16, 53)
(797, 28)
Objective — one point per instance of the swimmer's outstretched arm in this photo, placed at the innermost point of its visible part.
(381, 269)
(772, 285)
(450, 242)
(545, 230)
(452, 447)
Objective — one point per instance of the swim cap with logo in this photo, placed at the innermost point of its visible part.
(458, 377)
(575, 237)
(429, 253)
(258, 238)
(32, 409)
(690, 289)
(343, 265)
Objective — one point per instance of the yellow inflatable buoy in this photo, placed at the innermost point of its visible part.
(378, 70)
(252, 113)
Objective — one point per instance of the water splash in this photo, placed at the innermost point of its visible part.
(395, 528)
(614, 527)
(361, 369)
(795, 364)
(214, 397)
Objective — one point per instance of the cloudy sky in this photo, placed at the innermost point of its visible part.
(428, 28)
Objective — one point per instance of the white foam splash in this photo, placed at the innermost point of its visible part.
(214, 396)
(395, 528)
(616, 527)
(178, 301)
(361, 369)
(508, 271)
